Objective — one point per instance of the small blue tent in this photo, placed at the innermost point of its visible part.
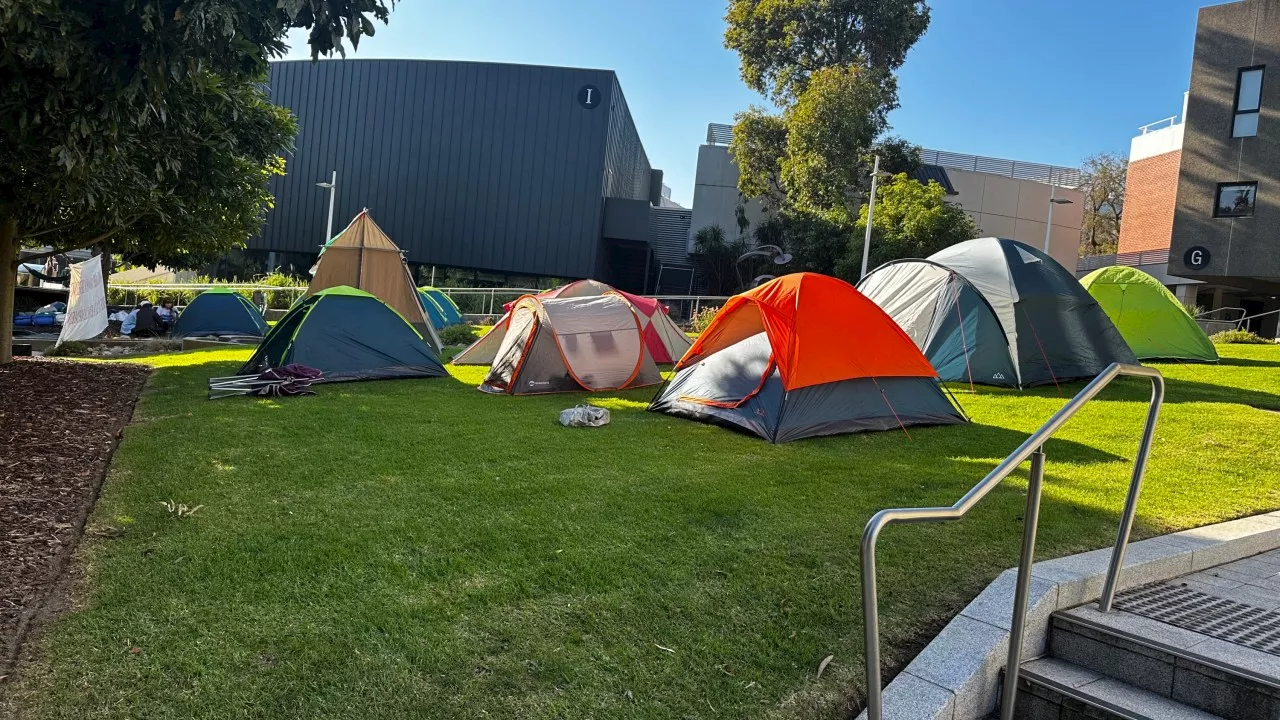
(219, 311)
(445, 304)
(347, 334)
(434, 313)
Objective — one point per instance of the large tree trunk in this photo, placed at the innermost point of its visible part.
(8, 281)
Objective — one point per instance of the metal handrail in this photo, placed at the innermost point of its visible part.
(1032, 448)
(1205, 315)
(1242, 321)
(1144, 129)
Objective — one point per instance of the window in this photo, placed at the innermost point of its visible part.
(1248, 102)
(1235, 200)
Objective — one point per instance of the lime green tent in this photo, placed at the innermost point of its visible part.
(1149, 317)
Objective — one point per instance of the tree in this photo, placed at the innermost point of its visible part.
(818, 242)
(829, 129)
(144, 127)
(912, 220)
(781, 43)
(829, 65)
(717, 260)
(1105, 176)
(758, 146)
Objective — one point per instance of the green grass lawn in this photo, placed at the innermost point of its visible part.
(417, 549)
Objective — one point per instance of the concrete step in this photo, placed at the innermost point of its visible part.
(1212, 675)
(1051, 689)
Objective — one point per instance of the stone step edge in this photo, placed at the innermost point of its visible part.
(956, 677)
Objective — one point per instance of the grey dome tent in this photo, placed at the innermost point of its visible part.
(998, 312)
(347, 334)
(219, 311)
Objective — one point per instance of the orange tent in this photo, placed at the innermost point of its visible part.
(805, 355)
(821, 329)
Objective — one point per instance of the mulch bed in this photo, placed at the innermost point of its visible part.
(59, 424)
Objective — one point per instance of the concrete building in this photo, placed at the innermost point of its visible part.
(1005, 198)
(507, 170)
(1226, 226)
(1202, 200)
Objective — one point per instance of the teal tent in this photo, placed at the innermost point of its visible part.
(219, 311)
(347, 334)
(444, 304)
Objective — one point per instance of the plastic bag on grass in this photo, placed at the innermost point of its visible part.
(584, 416)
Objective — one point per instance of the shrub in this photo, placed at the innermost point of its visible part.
(458, 335)
(70, 348)
(1238, 337)
(280, 299)
(702, 318)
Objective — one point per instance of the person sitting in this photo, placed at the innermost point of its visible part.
(147, 322)
(129, 321)
(167, 314)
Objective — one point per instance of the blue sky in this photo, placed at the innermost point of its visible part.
(1046, 81)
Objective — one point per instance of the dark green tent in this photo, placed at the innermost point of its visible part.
(347, 334)
(219, 311)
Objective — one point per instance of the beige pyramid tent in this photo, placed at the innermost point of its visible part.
(363, 257)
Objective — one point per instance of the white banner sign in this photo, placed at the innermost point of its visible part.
(86, 303)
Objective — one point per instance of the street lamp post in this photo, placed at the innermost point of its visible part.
(871, 208)
(1053, 200)
(332, 187)
(850, 195)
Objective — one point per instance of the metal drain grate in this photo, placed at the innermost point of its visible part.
(1206, 614)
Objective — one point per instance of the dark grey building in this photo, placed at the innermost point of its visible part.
(1226, 226)
(503, 169)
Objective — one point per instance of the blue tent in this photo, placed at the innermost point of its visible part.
(347, 334)
(219, 311)
(434, 313)
(445, 304)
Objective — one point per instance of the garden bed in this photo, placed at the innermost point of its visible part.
(59, 425)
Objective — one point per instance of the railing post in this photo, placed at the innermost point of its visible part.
(1017, 627)
(1131, 500)
(871, 618)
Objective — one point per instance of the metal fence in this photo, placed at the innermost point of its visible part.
(1016, 169)
(719, 134)
(478, 303)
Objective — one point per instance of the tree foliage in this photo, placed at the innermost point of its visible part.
(912, 220)
(716, 259)
(782, 43)
(829, 129)
(144, 127)
(1105, 177)
(829, 66)
(758, 147)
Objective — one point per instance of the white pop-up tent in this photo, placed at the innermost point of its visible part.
(666, 342)
(568, 344)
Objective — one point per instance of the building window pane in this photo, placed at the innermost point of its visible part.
(1249, 92)
(1246, 125)
(1248, 102)
(1235, 200)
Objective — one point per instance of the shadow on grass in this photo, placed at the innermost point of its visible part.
(1176, 391)
(1248, 362)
